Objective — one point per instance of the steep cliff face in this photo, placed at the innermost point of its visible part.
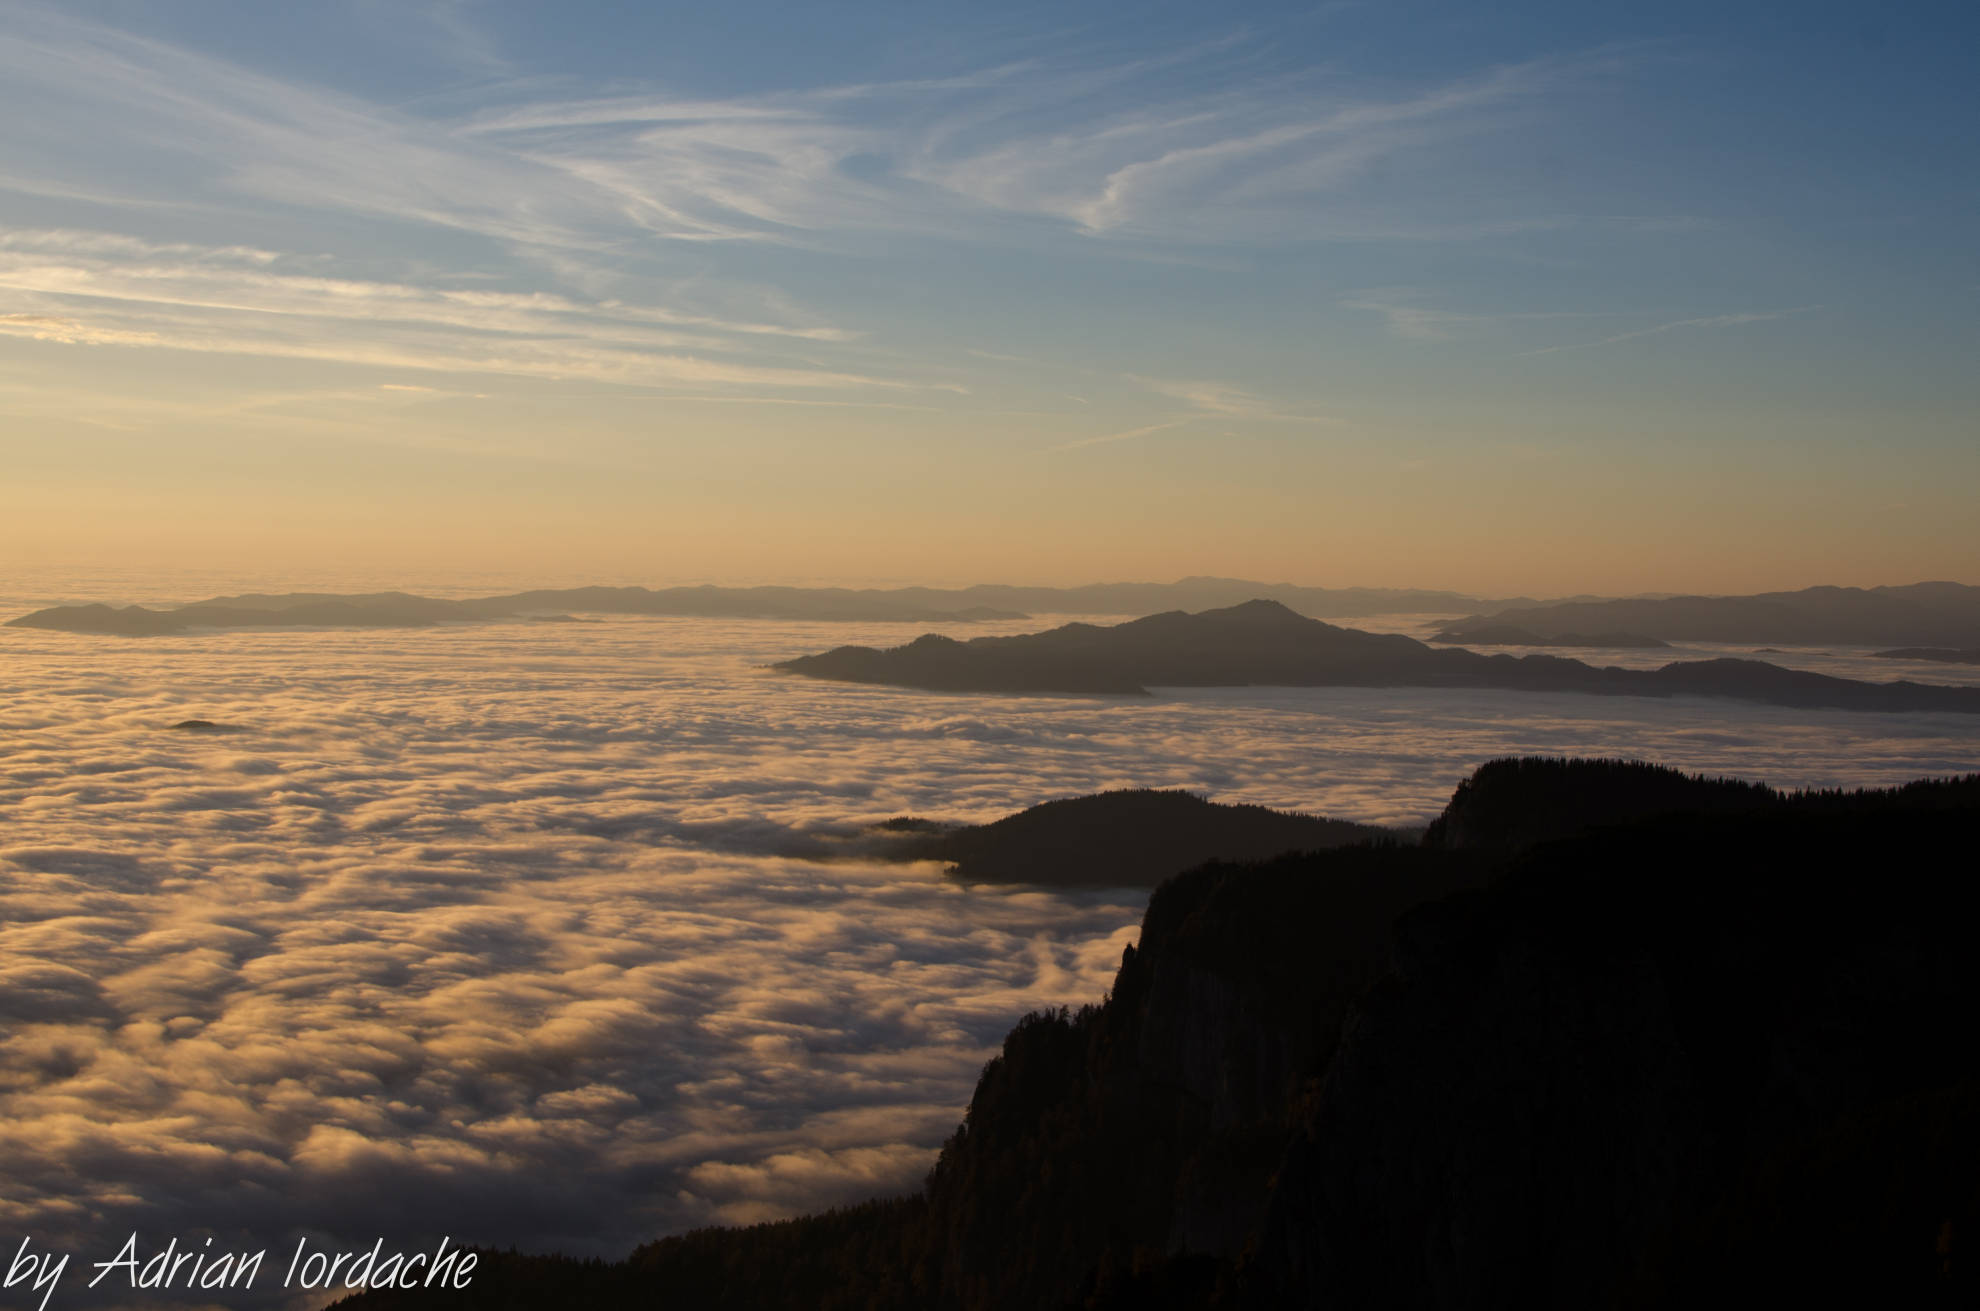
(1566, 1072)
(1142, 1135)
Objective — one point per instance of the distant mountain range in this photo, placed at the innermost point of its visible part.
(404, 610)
(1922, 614)
(1205, 593)
(1264, 643)
(888, 605)
(1121, 839)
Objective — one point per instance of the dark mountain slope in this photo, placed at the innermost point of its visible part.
(1161, 1116)
(1263, 643)
(1564, 1071)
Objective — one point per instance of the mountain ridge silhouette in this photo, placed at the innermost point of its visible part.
(1263, 643)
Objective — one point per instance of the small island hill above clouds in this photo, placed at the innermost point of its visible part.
(1264, 643)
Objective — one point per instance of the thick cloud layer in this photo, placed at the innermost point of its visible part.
(557, 934)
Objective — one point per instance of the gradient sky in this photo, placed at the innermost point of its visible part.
(1537, 297)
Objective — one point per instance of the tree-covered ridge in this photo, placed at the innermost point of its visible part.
(1519, 802)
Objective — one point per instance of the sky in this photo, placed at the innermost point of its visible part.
(1529, 298)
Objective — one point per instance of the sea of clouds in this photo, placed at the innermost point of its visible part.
(559, 934)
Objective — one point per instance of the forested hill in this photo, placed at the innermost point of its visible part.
(1126, 838)
(1717, 1051)
(1262, 643)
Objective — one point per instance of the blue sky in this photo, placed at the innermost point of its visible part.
(1528, 297)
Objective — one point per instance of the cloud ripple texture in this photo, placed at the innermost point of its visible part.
(561, 935)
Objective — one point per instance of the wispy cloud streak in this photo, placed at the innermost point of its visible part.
(106, 289)
(1405, 316)
(1130, 435)
(526, 228)
(1033, 137)
(1707, 321)
(1221, 398)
